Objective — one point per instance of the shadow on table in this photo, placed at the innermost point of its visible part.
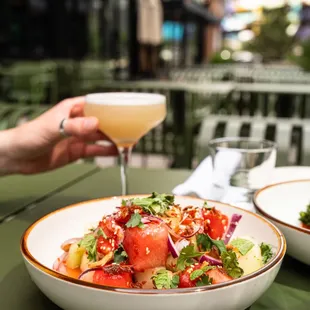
(18, 292)
(9, 207)
(294, 274)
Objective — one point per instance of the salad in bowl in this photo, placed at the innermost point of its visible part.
(153, 251)
(153, 243)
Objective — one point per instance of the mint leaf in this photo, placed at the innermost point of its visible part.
(135, 221)
(186, 257)
(231, 264)
(157, 204)
(196, 274)
(206, 243)
(266, 252)
(120, 255)
(243, 245)
(199, 272)
(89, 243)
(163, 279)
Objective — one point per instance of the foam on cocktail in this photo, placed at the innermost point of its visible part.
(125, 99)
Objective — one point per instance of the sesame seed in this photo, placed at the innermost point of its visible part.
(147, 251)
(208, 221)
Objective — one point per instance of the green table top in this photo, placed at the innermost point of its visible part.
(290, 291)
(20, 192)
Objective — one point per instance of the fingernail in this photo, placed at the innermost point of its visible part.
(90, 123)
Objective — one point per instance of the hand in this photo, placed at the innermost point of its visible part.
(38, 146)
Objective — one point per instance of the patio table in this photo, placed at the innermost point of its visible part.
(291, 289)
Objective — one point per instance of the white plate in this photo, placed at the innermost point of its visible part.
(281, 203)
(41, 245)
(283, 174)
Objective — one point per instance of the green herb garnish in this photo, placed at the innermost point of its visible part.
(100, 232)
(206, 243)
(135, 221)
(163, 279)
(243, 245)
(120, 255)
(200, 272)
(206, 206)
(186, 257)
(266, 252)
(305, 216)
(89, 243)
(157, 204)
(231, 264)
(204, 280)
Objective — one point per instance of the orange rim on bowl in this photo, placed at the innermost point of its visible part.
(270, 217)
(25, 251)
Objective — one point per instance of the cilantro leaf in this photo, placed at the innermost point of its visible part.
(206, 243)
(186, 257)
(163, 279)
(305, 216)
(157, 204)
(231, 264)
(89, 243)
(266, 252)
(135, 221)
(204, 280)
(120, 255)
(243, 245)
(199, 272)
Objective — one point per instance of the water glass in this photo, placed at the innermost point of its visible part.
(240, 167)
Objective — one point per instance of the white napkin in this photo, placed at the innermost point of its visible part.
(201, 182)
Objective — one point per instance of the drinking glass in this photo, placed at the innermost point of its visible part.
(125, 118)
(240, 167)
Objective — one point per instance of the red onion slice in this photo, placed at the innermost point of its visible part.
(66, 245)
(150, 218)
(172, 248)
(59, 260)
(145, 220)
(88, 274)
(211, 260)
(232, 226)
(62, 268)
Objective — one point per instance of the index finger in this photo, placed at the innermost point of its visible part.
(75, 106)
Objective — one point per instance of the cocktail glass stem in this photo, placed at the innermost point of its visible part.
(124, 156)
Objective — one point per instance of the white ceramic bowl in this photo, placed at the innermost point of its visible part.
(281, 204)
(41, 242)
